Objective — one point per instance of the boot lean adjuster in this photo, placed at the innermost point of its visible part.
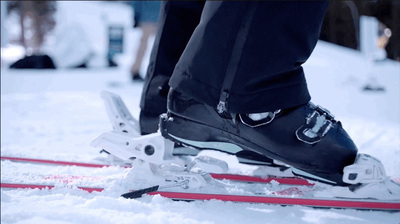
(317, 125)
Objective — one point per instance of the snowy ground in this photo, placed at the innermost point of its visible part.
(55, 114)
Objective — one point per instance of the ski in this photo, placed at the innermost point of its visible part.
(56, 162)
(233, 177)
(277, 199)
(271, 190)
(46, 186)
(311, 202)
(227, 176)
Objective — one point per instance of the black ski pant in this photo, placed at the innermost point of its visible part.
(244, 55)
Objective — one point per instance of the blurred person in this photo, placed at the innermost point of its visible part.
(36, 20)
(342, 23)
(230, 77)
(145, 17)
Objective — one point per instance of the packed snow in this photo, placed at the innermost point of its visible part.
(55, 114)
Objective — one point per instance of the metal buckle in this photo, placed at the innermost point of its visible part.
(322, 111)
(317, 125)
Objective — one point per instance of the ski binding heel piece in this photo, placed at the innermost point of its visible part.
(365, 169)
(153, 161)
(119, 115)
(152, 148)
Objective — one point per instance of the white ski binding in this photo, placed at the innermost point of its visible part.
(365, 169)
(368, 178)
(119, 116)
(152, 158)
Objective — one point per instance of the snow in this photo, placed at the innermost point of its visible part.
(54, 114)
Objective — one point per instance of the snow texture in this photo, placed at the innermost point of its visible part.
(54, 114)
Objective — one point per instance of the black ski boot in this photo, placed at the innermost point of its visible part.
(305, 137)
(149, 124)
(155, 99)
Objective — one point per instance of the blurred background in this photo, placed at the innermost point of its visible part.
(93, 34)
(343, 21)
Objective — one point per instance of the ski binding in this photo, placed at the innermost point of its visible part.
(154, 162)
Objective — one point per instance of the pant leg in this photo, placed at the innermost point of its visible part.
(248, 54)
(176, 24)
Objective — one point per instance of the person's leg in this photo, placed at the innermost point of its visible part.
(176, 25)
(253, 51)
(148, 29)
(239, 86)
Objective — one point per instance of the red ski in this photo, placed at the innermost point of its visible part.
(41, 187)
(294, 194)
(313, 202)
(56, 162)
(233, 177)
(263, 199)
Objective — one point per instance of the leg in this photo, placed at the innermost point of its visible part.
(176, 25)
(256, 56)
(242, 88)
(178, 21)
(148, 29)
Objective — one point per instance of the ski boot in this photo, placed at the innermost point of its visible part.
(149, 124)
(122, 121)
(305, 137)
